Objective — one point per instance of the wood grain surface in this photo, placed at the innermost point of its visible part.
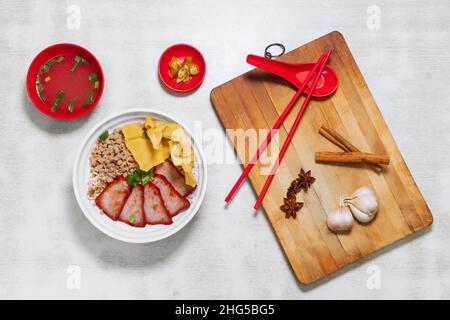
(256, 99)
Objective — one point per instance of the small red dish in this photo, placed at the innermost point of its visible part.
(181, 51)
(76, 85)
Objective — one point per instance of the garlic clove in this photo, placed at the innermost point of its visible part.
(340, 220)
(363, 204)
(359, 215)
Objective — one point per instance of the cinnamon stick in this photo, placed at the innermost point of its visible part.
(352, 157)
(340, 138)
(344, 144)
(332, 139)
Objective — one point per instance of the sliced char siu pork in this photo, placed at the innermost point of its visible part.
(173, 201)
(154, 210)
(133, 210)
(174, 176)
(112, 199)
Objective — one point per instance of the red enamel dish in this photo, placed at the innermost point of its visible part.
(181, 51)
(77, 86)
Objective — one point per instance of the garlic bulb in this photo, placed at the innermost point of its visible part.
(340, 220)
(363, 204)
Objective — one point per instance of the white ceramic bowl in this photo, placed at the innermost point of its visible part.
(117, 229)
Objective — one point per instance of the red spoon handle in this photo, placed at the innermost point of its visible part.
(277, 124)
(284, 70)
(290, 135)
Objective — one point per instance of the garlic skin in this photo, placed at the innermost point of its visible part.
(340, 220)
(363, 204)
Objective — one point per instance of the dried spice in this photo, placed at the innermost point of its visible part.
(291, 206)
(294, 188)
(303, 182)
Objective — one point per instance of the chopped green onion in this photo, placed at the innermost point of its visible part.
(50, 62)
(84, 61)
(93, 77)
(41, 95)
(60, 59)
(45, 68)
(70, 107)
(89, 99)
(40, 87)
(77, 62)
(74, 67)
(147, 178)
(38, 79)
(132, 219)
(96, 84)
(104, 135)
(57, 102)
(72, 104)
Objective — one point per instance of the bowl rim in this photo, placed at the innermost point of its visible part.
(167, 84)
(78, 161)
(40, 105)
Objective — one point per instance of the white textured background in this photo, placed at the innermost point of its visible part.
(221, 253)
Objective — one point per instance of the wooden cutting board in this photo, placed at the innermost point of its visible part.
(255, 99)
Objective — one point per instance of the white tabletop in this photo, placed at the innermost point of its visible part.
(48, 244)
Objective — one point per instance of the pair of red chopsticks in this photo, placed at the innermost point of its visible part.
(319, 65)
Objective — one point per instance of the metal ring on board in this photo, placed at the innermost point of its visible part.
(269, 55)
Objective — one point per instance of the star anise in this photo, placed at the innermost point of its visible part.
(305, 180)
(294, 188)
(291, 206)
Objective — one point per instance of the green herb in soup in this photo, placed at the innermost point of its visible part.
(42, 96)
(45, 68)
(89, 99)
(40, 87)
(75, 65)
(57, 101)
(71, 104)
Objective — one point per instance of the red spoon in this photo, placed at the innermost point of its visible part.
(296, 74)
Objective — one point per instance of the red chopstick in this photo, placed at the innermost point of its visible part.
(277, 125)
(290, 134)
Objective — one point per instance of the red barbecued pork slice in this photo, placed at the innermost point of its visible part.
(133, 210)
(173, 201)
(154, 210)
(175, 177)
(112, 199)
